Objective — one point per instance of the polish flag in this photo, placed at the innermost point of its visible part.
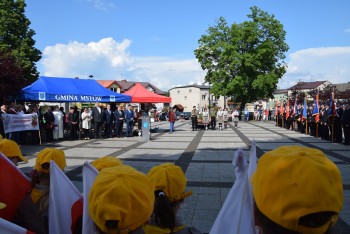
(237, 213)
(7, 227)
(14, 185)
(65, 202)
(89, 175)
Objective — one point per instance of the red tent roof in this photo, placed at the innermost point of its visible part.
(141, 95)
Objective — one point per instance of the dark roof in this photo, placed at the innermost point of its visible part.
(280, 91)
(178, 106)
(193, 85)
(307, 85)
(342, 87)
(127, 85)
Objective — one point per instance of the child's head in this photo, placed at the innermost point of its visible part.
(42, 163)
(120, 200)
(297, 189)
(106, 162)
(12, 151)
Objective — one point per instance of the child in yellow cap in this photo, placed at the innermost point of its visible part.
(32, 213)
(169, 184)
(296, 190)
(12, 151)
(120, 200)
(106, 162)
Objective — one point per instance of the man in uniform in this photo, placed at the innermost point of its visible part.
(194, 116)
(346, 124)
(338, 134)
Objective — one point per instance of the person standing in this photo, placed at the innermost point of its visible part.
(58, 124)
(49, 124)
(225, 113)
(194, 115)
(213, 113)
(172, 119)
(119, 121)
(338, 134)
(73, 120)
(108, 121)
(3, 111)
(86, 123)
(220, 116)
(346, 124)
(129, 119)
(205, 118)
(97, 116)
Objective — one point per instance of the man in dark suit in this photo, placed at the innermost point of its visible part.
(346, 124)
(119, 120)
(97, 116)
(108, 121)
(129, 119)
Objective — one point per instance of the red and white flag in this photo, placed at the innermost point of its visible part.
(237, 213)
(7, 227)
(65, 202)
(14, 185)
(89, 175)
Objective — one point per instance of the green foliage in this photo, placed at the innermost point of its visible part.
(244, 60)
(16, 38)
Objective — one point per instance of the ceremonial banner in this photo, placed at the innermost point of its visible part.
(15, 123)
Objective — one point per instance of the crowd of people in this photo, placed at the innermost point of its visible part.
(96, 122)
(124, 200)
(328, 124)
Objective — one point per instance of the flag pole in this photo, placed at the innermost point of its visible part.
(333, 116)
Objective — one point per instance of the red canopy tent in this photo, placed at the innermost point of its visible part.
(141, 95)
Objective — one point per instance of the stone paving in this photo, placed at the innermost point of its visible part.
(204, 155)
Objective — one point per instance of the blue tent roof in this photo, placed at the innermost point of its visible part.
(56, 89)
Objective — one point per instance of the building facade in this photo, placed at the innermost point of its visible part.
(194, 95)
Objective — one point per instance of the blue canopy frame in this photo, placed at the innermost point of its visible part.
(58, 89)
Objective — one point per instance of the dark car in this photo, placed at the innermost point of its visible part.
(187, 115)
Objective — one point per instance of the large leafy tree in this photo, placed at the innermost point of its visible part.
(17, 44)
(244, 60)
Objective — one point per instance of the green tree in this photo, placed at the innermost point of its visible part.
(244, 61)
(16, 40)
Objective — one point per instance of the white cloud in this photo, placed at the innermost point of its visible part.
(104, 5)
(108, 60)
(316, 64)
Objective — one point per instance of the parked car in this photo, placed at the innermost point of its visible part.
(187, 115)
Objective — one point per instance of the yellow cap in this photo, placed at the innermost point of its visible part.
(121, 194)
(48, 154)
(170, 179)
(105, 162)
(11, 149)
(2, 205)
(293, 181)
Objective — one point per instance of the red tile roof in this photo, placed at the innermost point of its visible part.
(107, 83)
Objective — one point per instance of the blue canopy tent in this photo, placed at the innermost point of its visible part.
(56, 89)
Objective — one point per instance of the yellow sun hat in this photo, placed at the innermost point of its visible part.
(291, 182)
(105, 162)
(171, 180)
(121, 195)
(11, 149)
(48, 154)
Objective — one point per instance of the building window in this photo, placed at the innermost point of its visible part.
(204, 97)
(178, 91)
(190, 91)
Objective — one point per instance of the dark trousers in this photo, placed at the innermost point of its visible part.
(213, 122)
(73, 131)
(98, 129)
(194, 122)
(118, 128)
(129, 127)
(108, 130)
(347, 134)
(338, 134)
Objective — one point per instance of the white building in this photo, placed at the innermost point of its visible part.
(194, 95)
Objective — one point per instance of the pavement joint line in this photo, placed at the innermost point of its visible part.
(186, 157)
(259, 152)
(328, 152)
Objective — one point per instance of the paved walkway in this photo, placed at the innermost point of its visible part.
(205, 156)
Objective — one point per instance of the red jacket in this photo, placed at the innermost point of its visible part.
(172, 117)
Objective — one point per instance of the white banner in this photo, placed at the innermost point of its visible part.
(15, 123)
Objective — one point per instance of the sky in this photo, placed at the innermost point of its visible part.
(154, 41)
